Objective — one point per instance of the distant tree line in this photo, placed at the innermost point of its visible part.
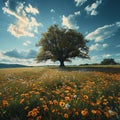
(108, 61)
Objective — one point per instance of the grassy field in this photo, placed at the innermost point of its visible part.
(45, 93)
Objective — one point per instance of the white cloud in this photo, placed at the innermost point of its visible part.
(26, 24)
(98, 47)
(95, 59)
(118, 46)
(21, 54)
(17, 32)
(29, 62)
(53, 20)
(52, 11)
(80, 2)
(69, 21)
(118, 54)
(31, 10)
(102, 33)
(26, 43)
(106, 56)
(77, 13)
(13, 60)
(91, 9)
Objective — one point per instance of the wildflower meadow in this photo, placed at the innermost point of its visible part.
(45, 93)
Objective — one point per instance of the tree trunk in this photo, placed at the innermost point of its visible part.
(62, 63)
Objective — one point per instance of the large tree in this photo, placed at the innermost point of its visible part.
(59, 44)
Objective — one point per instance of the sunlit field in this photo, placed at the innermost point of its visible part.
(46, 93)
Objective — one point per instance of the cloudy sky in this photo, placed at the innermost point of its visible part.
(23, 21)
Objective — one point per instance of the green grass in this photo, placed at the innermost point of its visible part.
(49, 93)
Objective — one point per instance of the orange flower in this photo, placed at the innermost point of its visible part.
(66, 116)
(36, 93)
(67, 98)
(84, 112)
(62, 95)
(105, 102)
(59, 113)
(50, 102)
(111, 97)
(76, 113)
(68, 88)
(85, 97)
(55, 102)
(22, 100)
(33, 112)
(92, 103)
(118, 99)
(107, 114)
(25, 95)
(39, 118)
(45, 107)
(41, 99)
(5, 103)
(98, 102)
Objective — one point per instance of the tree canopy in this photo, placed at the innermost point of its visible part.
(59, 44)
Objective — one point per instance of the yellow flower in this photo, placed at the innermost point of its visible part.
(66, 115)
(53, 110)
(93, 111)
(66, 91)
(41, 99)
(26, 107)
(62, 104)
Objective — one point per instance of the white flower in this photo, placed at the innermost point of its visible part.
(75, 86)
(75, 96)
(67, 106)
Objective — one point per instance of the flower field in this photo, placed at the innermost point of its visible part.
(53, 94)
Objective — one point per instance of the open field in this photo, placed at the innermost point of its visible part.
(49, 93)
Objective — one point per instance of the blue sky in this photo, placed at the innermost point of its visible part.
(23, 21)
